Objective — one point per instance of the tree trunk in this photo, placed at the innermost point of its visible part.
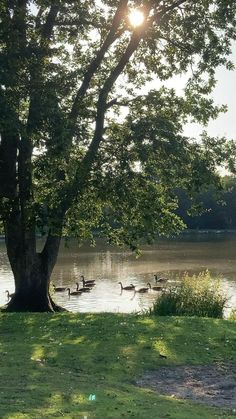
(31, 270)
(31, 285)
(31, 295)
(32, 289)
(8, 155)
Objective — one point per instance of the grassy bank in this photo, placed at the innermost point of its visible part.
(51, 364)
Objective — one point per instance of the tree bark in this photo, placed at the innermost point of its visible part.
(32, 289)
(8, 155)
(31, 270)
(31, 285)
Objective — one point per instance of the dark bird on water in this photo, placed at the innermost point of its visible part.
(142, 290)
(127, 287)
(59, 289)
(73, 292)
(83, 289)
(88, 282)
(161, 279)
(154, 287)
(9, 295)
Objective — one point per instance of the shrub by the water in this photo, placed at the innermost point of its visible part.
(197, 295)
(232, 315)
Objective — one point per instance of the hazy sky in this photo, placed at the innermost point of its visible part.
(224, 93)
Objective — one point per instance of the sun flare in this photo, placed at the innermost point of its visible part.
(136, 17)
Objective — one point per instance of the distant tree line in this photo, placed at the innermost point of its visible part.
(212, 209)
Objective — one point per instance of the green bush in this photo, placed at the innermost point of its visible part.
(197, 295)
(232, 315)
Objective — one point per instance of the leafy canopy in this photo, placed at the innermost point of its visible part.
(69, 69)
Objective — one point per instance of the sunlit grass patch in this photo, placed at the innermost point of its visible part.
(102, 355)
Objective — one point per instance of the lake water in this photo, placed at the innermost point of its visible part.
(108, 265)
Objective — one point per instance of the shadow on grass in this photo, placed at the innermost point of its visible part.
(55, 365)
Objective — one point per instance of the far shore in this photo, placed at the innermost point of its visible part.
(184, 232)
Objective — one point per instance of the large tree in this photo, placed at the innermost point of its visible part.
(70, 163)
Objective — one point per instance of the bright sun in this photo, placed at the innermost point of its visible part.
(136, 17)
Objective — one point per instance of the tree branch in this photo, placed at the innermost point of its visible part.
(95, 63)
(112, 103)
(38, 17)
(46, 33)
(111, 37)
(50, 251)
(83, 172)
(115, 102)
(75, 22)
(165, 10)
(48, 26)
(19, 22)
(177, 44)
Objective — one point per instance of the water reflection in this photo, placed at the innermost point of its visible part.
(109, 265)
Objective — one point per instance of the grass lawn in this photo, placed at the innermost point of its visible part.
(50, 365)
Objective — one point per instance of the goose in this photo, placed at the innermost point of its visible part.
(161, 279)
(142, 290)
(83, 289)
(155, 287)
(127, 287)
(77, 292)
(89, 282)
(59, 289)
(9, 295)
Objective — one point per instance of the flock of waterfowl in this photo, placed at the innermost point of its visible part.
(87, 287)
(89, 284)
(158, 280)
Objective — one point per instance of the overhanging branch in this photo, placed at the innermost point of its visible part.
(46, 34)
(95, 63)
(156, 16)
(48, 26)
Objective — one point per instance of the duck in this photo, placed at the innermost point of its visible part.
(89, 282)
(130, 287)
(83, 289)
(59, 289)
(9, 295)
(155, 287)
(142, 290)
(161, 279)
(77, 292)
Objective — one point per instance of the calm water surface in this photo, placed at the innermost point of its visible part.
(192, 253)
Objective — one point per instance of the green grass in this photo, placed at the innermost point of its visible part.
(198, 295)
(50, 364)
